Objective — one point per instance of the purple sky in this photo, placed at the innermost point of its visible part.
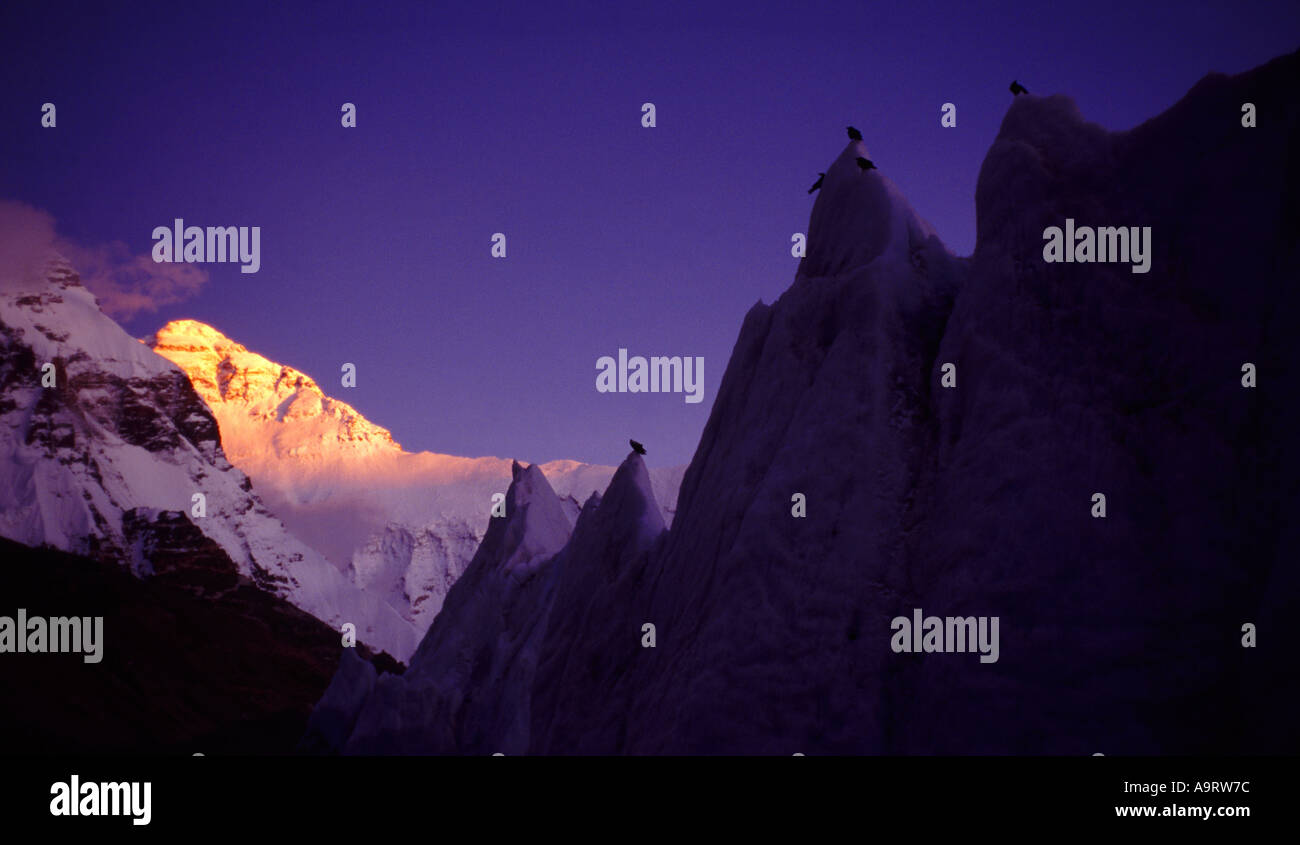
(375, 240)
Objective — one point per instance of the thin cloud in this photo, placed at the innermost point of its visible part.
(26, 240)
(125, 284)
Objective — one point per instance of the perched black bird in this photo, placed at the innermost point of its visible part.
(1018, 89)
(637, 447)
(866, 164)
(854, 134)
(818, 183)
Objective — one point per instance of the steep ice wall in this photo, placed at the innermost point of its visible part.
(469, 682)
(1121, 633)
(769, 625)
(477, 681)
(1117, 635)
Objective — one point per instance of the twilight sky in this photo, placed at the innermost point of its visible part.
(476, 118)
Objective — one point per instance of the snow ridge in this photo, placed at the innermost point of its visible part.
(122, 441)
(400, 524)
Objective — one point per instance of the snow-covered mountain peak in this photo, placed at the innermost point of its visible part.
(119, 457)
(631, 499)
(623, 522)
(1043, 146)
(535, 526)
(858, 216)
(60, 321)
(405, 524)
(60, 274)
(1046, 123)
(267, 411)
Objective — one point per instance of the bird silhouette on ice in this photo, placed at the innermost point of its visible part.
(1018, 89)
(854, 134)
(637, 447)
(866, 164)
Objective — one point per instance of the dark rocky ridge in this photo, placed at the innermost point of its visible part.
(185, 669)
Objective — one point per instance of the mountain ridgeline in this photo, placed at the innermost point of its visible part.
(771, 632)
(400, 525)
(118, 457)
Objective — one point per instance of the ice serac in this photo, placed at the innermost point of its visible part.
(1116, 635)
(335, 715)
(1088, 378)
(539, 528)
(770, 626)
(399, 524)
(819, 398)
(858, 217)
(469, 683)
(532, 610)
(106, 462)
(596, 615)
